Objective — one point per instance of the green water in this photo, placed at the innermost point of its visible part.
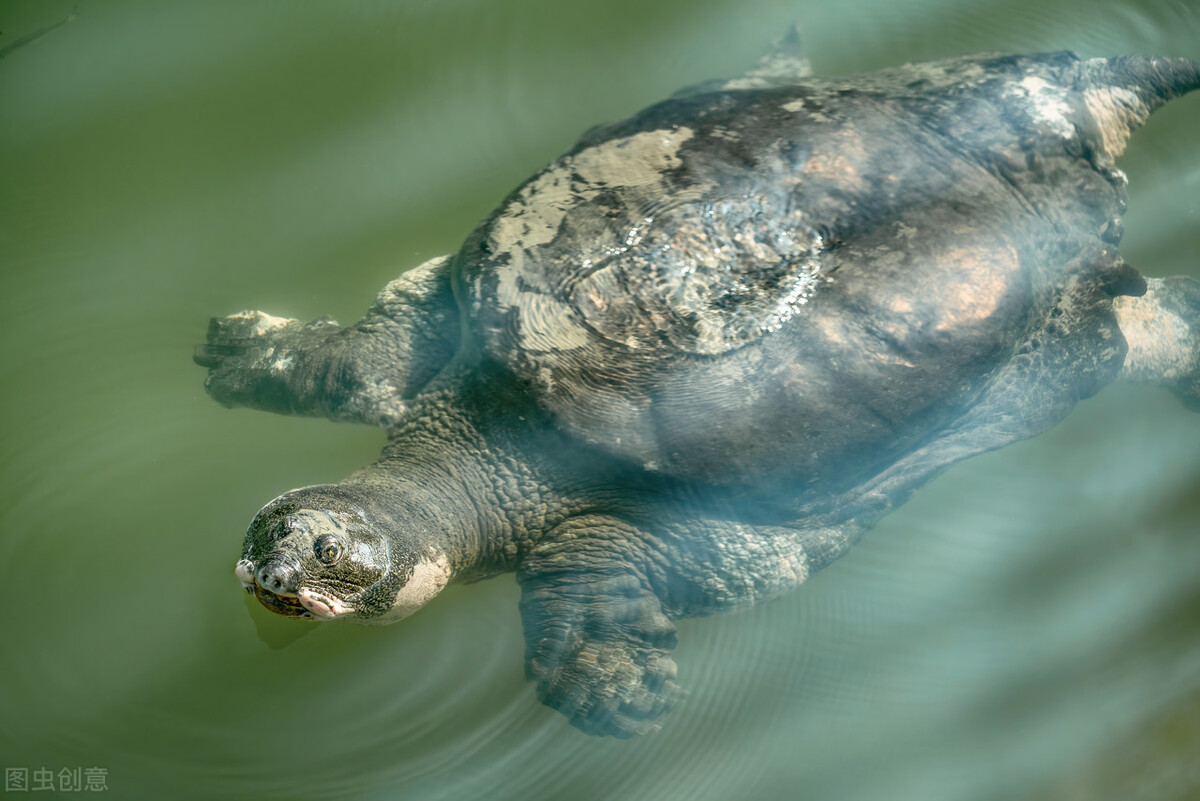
(1027, 628)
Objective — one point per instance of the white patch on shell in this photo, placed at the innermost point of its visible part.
(749, 82)
(429, 577)
(282, 364)
(734, 269)
(1117, 111)
(944, 73)
(724, 133)
(794, 106)
(1047, 104)
(534, 217)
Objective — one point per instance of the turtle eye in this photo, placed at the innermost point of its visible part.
(328, 550)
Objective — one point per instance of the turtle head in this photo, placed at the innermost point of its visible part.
(326, 553)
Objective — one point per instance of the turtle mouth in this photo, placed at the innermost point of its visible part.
(288, 606)
(306, 603)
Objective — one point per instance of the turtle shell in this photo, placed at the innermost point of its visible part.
(802, 278)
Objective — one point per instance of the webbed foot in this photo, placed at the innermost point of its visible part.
(599, 649)
(253, 359)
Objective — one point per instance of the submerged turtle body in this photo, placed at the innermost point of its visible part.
(692, 360)
(794, 279)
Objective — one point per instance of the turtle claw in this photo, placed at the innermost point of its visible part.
(600, 654)
(237, 334)
(612, 686)
(242, 341)
(251, 357)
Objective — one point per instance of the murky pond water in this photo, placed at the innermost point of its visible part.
(1028, 627)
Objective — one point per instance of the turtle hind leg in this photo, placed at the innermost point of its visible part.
(1162, 331)
(364, 373)
(784, 64)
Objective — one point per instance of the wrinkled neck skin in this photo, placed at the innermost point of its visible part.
(464, 482)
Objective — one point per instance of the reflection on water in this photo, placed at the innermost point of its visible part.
(1024, 628)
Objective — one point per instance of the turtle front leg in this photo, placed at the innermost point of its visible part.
(271, 363)
(364, 373)
(1162, 329)
(598, 596)
(597, 640)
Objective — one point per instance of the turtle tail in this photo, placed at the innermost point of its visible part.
(1122, 92)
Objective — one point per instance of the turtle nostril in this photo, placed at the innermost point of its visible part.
(279, 576)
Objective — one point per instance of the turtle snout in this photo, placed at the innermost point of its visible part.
(279, 576)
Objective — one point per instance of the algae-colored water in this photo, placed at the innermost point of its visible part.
(1028, 627)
